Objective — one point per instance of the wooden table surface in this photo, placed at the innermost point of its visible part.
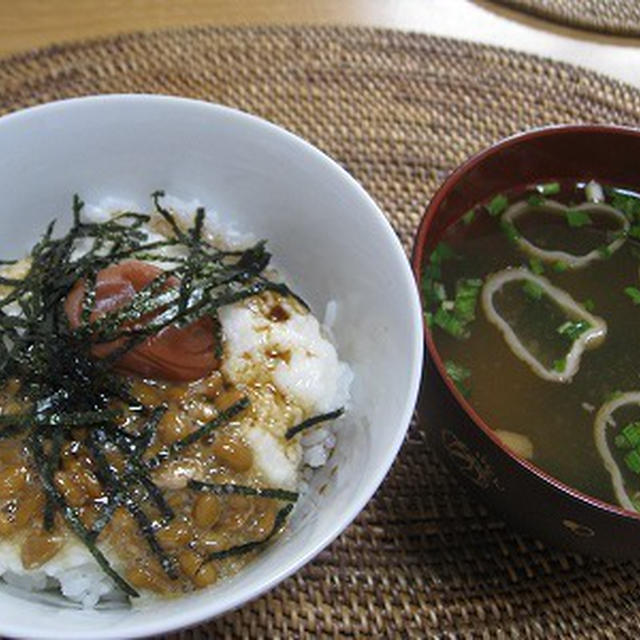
(25, 24)
(29, 23)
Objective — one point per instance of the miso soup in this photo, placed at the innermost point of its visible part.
(533, 300)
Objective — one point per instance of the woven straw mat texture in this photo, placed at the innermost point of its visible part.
(399, 111)
(615, 17)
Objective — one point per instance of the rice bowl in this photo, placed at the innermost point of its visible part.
(376, 322)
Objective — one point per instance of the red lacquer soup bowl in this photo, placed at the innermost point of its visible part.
(523, 493)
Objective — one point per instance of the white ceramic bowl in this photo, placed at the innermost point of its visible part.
(323, 229)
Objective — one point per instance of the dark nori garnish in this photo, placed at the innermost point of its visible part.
(226, 489)
(248, 547)
(64, 388)
(311, 422)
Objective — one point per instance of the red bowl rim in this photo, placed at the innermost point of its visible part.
(417, 259)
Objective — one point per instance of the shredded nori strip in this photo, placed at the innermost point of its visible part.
(13, 430)
(52, 463)
(72, 517)
(218, 337)
(137, 473)
(248, 547)
(119, 493)
(89, 297)
(220, 420)
(103, 519)
(148, 431)
(65, 392)
(231, 489)
(80, 418)
(314, 420)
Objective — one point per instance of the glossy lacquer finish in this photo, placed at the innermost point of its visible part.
(520, 491)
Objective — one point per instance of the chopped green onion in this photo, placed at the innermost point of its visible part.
(533, 290)
(497, 205)
(459, 375)
(536, 266)
(577, 218)
(454, 316)
(612, 395)
(621, 442)
(466, 297)
(560, 266)
(535, 200)
(573, 330)
(560, 365)
(548, 188)
(626, 203)
(457, 372)
(630, 435)
(589, 304)
(604, 251)
(633, 293)
(433, 291)
(632, 460)
(509, 230)
(468, 217)
(634, 231)
(449, 323)
(441, 253)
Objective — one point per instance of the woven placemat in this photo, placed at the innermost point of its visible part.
(399, 111)
(615, 17)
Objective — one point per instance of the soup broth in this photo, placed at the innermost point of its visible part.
(598, 274)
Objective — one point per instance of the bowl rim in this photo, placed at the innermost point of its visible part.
(417, 261)
(202, 612)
